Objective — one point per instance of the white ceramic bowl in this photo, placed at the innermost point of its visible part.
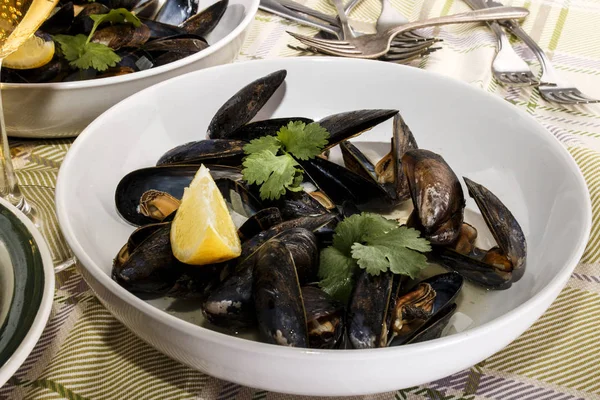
(480, 136)
(64, 109)
(27, 274)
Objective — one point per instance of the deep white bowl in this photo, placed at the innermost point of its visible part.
(480, 136)
(64, 109)
(27, 284)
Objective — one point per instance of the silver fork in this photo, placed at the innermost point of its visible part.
(401, 51)
(373, 46)
(552, 88)
(508, 68)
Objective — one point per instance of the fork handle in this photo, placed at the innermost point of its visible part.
(346, 29)
(274, 7)
(549, 74)
(489, 14)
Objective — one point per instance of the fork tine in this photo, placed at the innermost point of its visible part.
(584, 98)
(330, 50)
(551, 96)
(528, 79)
(297, 36)
(316, 42)
(401, 50)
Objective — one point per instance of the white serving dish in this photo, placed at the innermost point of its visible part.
(64, 109)
(27, 276)
(479, 135)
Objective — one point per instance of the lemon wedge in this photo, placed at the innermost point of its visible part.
(34, 53)
(202, 231)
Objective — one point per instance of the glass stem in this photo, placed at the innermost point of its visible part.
(8, 179)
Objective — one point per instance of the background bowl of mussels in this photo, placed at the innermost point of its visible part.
(334, 292)
(138, 44)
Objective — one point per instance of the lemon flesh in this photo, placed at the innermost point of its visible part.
(202, 231)
(34, 53)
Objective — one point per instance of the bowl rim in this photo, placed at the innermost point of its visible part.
(20, 354)
(551, 290)
(251, 10)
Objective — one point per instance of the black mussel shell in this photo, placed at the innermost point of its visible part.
(113, 4)
(54, 71)
(446, 287)
(175, 12)
(230, 305)
(309, 223)
(151, 267)
(136, 59)
(324, 318)
(244, 105)
(82, 23)
(61, 21)
(435, 326)
(205, 21)
(346, 125)
(403, 140)
(209, 151)
(115, 71)
(255, 130)
(196, 282)
(183, 43)
(340, 184)
(368, 309)
(117, 36)
(172, 179)
(278, 298)
(261, 221)
(436, 194)
(238, 197)
(503, 225)
(300, 204)
(302, 244)
(159, 30)
(170, 56)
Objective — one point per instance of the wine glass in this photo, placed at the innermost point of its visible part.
(19, 19)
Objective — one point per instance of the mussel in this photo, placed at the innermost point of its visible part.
(211, 151)
(280, 312)
(244, 105)
(498, 267)
(437, 196)
(324, 317)
(205, 21)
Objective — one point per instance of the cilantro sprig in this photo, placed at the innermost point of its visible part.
(83, 54)
(371, 242)
(271, 160)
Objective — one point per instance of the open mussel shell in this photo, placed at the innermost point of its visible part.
(244, 105)
(261, 221)
(278, 299)
(503, 225)
(158, 205)
(340, 184)
(346, 125)
(416, 314)
(255, 130)
(206, 20)
(402, 141)
(53, 71)
(434, 328)
(324, 318)
(172, 179)
(303, 204)
(209, 151)
(368, 310)
(436, 194)
(60, 21)
(238, 198)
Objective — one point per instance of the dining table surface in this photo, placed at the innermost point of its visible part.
(85, 353)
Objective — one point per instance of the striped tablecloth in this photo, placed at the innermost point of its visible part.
(85, 353)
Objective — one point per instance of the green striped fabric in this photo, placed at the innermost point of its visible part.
(85, 353)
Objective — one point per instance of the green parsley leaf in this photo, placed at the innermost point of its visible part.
(394, 250)
(270, 143)
(336, 272)
(71, 46)
(115, 16)
(303, 141)
(274, 173)
(84, 55)
(372, 242)
(97, 56)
